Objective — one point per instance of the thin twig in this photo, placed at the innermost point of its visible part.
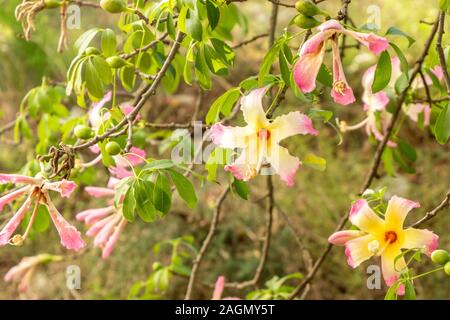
(432, 213)
(440, 51)
(239, 45)
(206, 243)
(427, 89)
(266, 244)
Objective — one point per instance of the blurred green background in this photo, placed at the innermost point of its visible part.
(314, 205)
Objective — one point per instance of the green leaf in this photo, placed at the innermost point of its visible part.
(284, 67)
(145, 208)
(109, 42)
(128, 78)
(92, 79)
(324, 115)
(391, 294)
(442, 126)
(42, 220)
(269, 59)
(194, 26)
(315, 162)
(397, 32)
(129, 204)
(382, 72)
(162, 198)
(202, 74)
(213, 14)
(324, 76)
(85, 39)
(410, 293)
(241, 188)
(223, 104)
(407, 151)
(404, 66)
(158, 165)
(388, 161)
(184, 188)
(444, 5)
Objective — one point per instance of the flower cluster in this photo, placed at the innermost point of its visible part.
(37, 191)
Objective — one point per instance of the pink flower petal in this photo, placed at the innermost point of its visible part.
(291, 124)
(375, 43)
(285, 165)
(12, 196)
(12, 224)
(362, 216)
(69, 235)
(64, 187)
(397, 210)
(110, 244)
(341, 92)
(307, 68)
(99, 192)
(341, 237)
(357, 250)
(16, 178)
(92, 215)
(218, 288)
(424, 239)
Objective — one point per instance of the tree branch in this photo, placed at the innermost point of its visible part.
(440, 51)
(430, 214)
(206, 243)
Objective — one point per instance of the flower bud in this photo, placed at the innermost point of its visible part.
(116, 62)
(114, 6)
(440, 256)
(83, 132)
(447, 268)
(305, 22)
(91, 51)
(113, 148)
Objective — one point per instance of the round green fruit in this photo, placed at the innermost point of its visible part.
(113, 148)
(92, 51)
(447, 268)
(116, 62)
(307, 8)
(114, 6)
(305, 22)
(83, 132)
(440, 256)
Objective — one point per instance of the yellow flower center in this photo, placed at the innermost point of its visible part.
(339, 87)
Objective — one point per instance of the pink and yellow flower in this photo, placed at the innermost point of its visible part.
(385, 237)
(259, 139)
(37, 191)
(105, 224)
(312, 53)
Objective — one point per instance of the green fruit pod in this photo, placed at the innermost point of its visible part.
(114, 6)
(305, 22)
(113, 148)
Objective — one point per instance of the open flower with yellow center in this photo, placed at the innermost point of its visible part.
(259, 140)
(385, 238)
